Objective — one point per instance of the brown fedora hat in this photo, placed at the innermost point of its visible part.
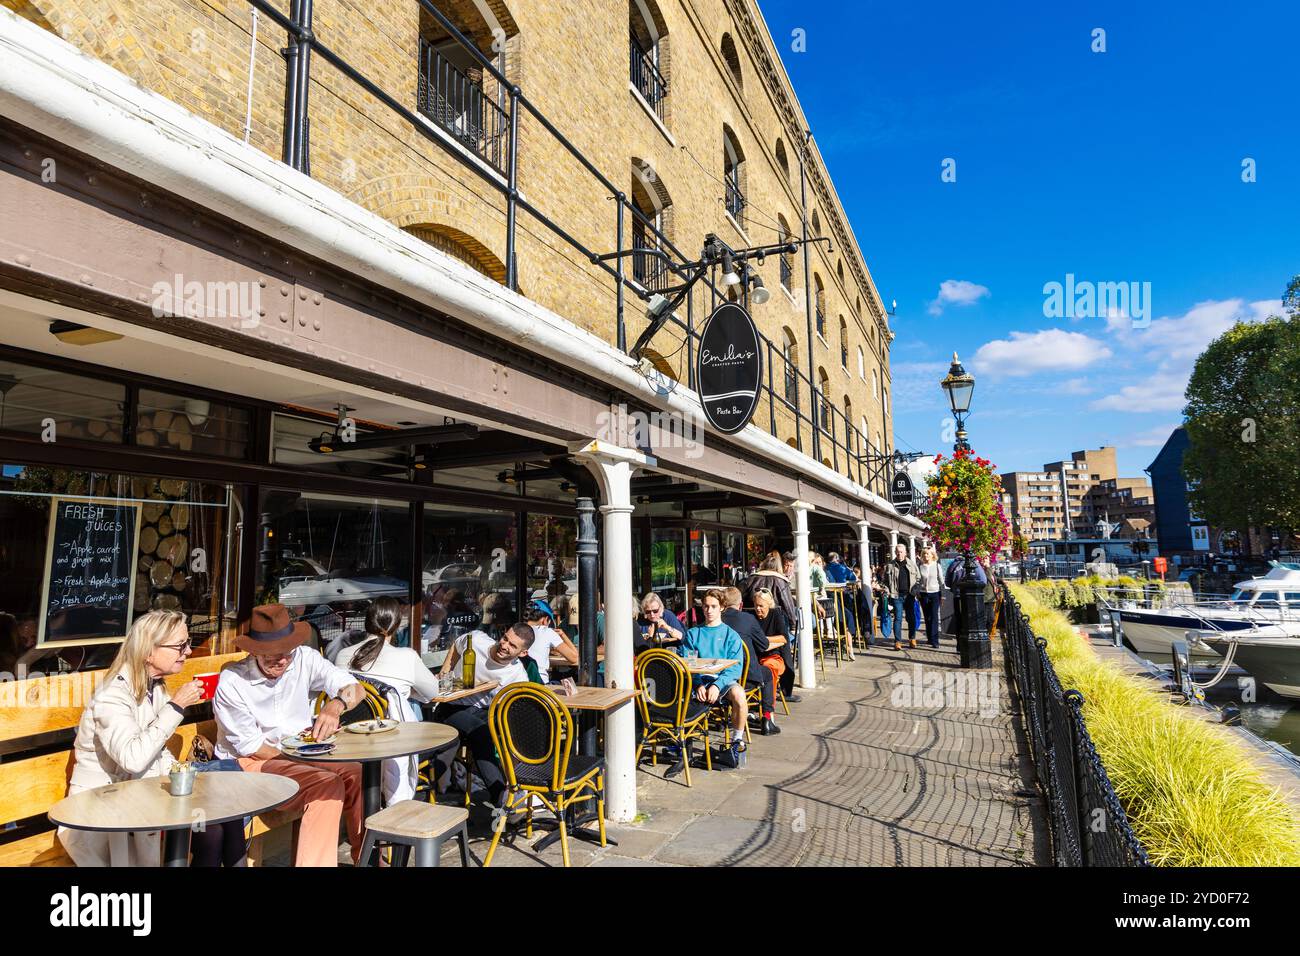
(273, 630)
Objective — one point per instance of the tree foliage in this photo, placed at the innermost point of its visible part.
(1243, 423)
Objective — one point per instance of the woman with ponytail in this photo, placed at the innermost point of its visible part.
(401, 669)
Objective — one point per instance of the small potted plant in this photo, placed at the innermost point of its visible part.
(182, 778)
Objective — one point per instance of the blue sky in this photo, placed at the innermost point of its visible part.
(1115, 166)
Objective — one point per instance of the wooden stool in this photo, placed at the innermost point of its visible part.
(425, 826)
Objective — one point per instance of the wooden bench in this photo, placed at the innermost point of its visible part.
(38, 722)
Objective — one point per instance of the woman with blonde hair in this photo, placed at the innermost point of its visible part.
(930, 591)
(123, 735)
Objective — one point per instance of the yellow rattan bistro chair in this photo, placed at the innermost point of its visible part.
(753, 695)
(533, 733)
(670, 714)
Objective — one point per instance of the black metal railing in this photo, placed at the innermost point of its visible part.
(460, 105)
(645, 76)
(821, 320)
(648, 268)
(456, 102)
(735, 199)
(787, 271)
(1087, 822)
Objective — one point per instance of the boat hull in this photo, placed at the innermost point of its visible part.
(1273, 661)
(1152, 634)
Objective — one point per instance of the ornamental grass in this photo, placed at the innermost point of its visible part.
(1194, 794)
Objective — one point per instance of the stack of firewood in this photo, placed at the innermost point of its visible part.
(162, 568)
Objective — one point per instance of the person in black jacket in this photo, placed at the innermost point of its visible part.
(774, 625)
(752, 633)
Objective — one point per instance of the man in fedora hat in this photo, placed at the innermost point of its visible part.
(268, 696)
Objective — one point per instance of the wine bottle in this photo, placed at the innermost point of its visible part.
(468, 662)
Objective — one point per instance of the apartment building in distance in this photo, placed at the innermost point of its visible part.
(1068, 498)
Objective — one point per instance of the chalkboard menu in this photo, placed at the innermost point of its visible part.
(89, 570)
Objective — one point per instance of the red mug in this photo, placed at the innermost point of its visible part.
(209, 682)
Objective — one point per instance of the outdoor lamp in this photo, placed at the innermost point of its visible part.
(759, 294)
(729, 274)
(960, 386)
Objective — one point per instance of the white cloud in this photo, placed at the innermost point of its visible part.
(916, 385)
(957, 292)
(1169, 347)
(1150, 438)
(1027, 353)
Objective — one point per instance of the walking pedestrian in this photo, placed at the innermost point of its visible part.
(931, 593)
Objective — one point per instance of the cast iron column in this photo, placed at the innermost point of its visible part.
(973, 638)
(588, 570)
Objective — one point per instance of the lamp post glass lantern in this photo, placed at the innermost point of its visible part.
(960, 386)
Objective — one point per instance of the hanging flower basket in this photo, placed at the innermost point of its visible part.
(965, 508)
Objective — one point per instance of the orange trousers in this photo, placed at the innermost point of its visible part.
(326, 792)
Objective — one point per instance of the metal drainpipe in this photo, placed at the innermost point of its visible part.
(808, 303)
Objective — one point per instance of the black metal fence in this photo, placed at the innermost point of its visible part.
(1088, 825)
(645, 76)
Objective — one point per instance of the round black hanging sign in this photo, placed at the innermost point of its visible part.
(729, 368)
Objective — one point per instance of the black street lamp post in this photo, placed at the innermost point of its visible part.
(972, 636)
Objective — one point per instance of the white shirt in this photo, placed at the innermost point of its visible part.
(398, 667)
(930, 582)
(251, 709)
(486, 669)
(544, 639)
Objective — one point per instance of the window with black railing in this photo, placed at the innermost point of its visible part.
(453, 98)
(735, 198)
(648, 267)
(646, 77)
(787, 270)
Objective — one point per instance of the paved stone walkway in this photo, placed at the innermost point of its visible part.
(861, 775)
(867, 771)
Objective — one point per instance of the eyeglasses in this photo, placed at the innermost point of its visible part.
(179, 648)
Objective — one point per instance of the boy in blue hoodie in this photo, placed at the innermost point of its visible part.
(715, 640)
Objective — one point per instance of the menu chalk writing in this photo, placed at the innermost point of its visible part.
(90, 570)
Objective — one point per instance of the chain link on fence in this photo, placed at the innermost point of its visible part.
(1088, 824)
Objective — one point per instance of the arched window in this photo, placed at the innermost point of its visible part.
(651, 200)
(823, 400)
(790, 357)
(839, 270)
(460, 245)
(733, 174)
(862, 364)
(875, 385)
(884, 397)
(781, 159)
(844, 344)
(819, 301)
(648, 59)
(732, 59)
(455, 92)
(816, 224)
(848, 417)
(787, 258)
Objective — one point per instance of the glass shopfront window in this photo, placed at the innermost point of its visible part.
(668, 566)
(470, 572)
(82, 554)
(196, 425)
(553, 560)
(733, 569)
(44, 402)
(326, 557)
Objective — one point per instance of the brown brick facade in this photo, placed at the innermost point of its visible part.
(572, 61)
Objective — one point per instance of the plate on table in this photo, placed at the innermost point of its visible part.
(296, 742)
(380, 725)
(314, 750)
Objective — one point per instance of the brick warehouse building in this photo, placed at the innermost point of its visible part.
(265, 306)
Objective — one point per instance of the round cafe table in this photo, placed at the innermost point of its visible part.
(371, 750)
(144, 805)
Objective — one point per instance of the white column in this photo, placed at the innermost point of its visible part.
(613, 469)
(864, 553)
(798, 512)
(911, 547)
(893, 543)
